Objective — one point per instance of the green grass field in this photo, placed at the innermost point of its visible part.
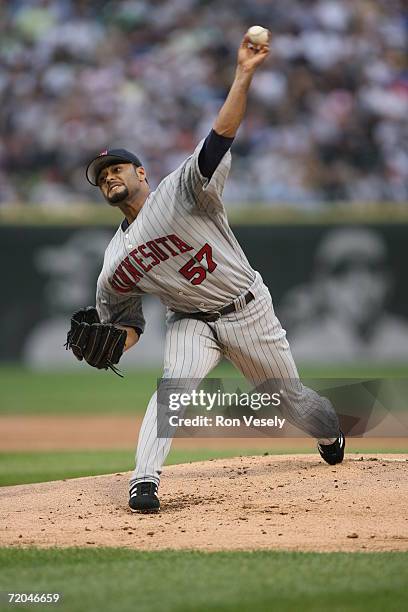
(124, 580)
(169, 581)
(84, 390)
(28, 467)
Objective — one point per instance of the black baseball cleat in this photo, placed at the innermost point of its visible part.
(333, 453)
(143, 497)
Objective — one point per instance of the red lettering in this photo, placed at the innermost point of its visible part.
(116, 278)
(206, 253)
(157, 250)
(180, 244)
(196, 274)
(116, 284)
(127, 275)
(155, 259)
(120, 272)
(139, 261)
(163, 242)
(127, 264)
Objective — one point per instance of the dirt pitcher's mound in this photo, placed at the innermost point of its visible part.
(286, 502)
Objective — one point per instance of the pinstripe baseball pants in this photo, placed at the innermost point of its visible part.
(255, 342)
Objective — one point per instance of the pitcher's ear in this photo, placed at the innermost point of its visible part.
(141, 173)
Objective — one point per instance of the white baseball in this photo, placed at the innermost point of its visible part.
(258, 35)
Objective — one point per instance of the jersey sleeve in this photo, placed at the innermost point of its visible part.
(213, 150)
(196, 189)
(121, 310)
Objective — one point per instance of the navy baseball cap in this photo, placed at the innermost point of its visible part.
(108, 158)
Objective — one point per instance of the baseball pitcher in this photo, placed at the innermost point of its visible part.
(176, 243)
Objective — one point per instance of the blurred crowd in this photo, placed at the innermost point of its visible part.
(326, 122)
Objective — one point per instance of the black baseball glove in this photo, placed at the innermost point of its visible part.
(100, 344)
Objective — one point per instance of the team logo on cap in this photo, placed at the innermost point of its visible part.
(104, 152)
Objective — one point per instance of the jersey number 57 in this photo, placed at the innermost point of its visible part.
(194, 273)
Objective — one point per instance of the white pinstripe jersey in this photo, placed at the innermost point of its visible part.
(180, 248)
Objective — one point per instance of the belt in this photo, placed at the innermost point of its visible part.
(214, 315)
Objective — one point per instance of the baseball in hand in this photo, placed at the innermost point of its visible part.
(258, 35)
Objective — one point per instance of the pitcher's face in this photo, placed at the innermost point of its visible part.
(120, 182)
